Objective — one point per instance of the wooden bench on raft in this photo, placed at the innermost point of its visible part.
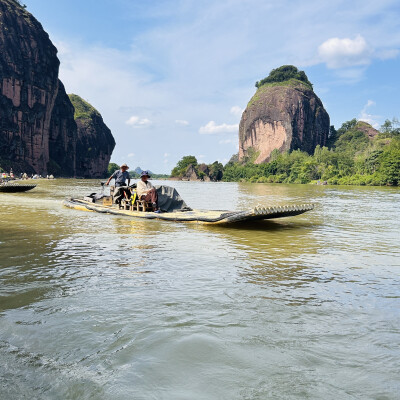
(143, 205)
(138, 205)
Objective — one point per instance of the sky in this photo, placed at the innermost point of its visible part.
(172, 78)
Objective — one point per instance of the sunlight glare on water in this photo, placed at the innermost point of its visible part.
(108, 307)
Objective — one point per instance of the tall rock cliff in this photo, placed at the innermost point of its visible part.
(29, 86)
(283, 114)
(38, 133)
(95, 142)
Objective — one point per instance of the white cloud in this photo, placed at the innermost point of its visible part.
(236, 110)
(212, 128)
(137, 121)
(367, 117)
(131, 155)
(339, 53)
(181, 122)
(166, 154)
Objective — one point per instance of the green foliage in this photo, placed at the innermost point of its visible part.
(352, 141)
(295, 83)
(83, 110)
(112, 167)
(390, 129)
(390, 165)
(214, 171)
(182, 165)
(332, 137)
(283, 74)
(346, 126)
(160, 176)
(251, 156)
(351, 159)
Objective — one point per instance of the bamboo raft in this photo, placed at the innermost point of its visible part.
(198, 216)
(15, 187)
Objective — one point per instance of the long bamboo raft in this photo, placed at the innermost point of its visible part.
(198, 216)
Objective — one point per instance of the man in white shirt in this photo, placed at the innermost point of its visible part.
(146, 191)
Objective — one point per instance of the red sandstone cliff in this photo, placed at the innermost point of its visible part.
(29, 86)
(38, 133)
(283, 116)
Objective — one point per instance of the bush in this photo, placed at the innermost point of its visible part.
(285, 73)
(182, 165)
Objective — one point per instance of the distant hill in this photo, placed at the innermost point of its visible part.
(139, 170)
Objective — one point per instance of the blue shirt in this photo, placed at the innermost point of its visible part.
(120, 177)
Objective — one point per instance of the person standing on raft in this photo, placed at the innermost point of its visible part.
(120, 176)
(146, 190)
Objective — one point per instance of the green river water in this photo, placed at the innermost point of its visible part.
(96, 306)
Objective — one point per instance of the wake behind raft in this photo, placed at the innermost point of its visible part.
(175, 209)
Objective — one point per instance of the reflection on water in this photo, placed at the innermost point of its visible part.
(100, 306)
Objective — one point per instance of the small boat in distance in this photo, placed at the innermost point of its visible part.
(15, 187)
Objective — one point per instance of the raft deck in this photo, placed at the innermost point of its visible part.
(199, 216)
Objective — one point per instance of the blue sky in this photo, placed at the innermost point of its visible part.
(171, 78)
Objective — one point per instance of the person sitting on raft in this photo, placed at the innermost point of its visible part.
(121, 176)
(146, 191)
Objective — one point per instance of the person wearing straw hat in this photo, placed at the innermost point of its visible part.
(146, 191)
(121, 176)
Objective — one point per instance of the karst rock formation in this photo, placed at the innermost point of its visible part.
(284, 114)
(38, 132)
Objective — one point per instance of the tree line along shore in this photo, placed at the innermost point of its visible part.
(351, 157)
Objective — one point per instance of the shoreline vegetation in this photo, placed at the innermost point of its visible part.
(356, 154)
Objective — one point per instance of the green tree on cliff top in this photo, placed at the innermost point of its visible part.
(285, 73)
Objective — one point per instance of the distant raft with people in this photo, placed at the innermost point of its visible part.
(175, 209)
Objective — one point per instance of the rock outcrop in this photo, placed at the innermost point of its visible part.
(95, 142)
(62, 136)
(202, 172)
(283, 115)
(367, 129)
(38, 133)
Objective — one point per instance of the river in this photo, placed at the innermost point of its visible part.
(96, 306)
